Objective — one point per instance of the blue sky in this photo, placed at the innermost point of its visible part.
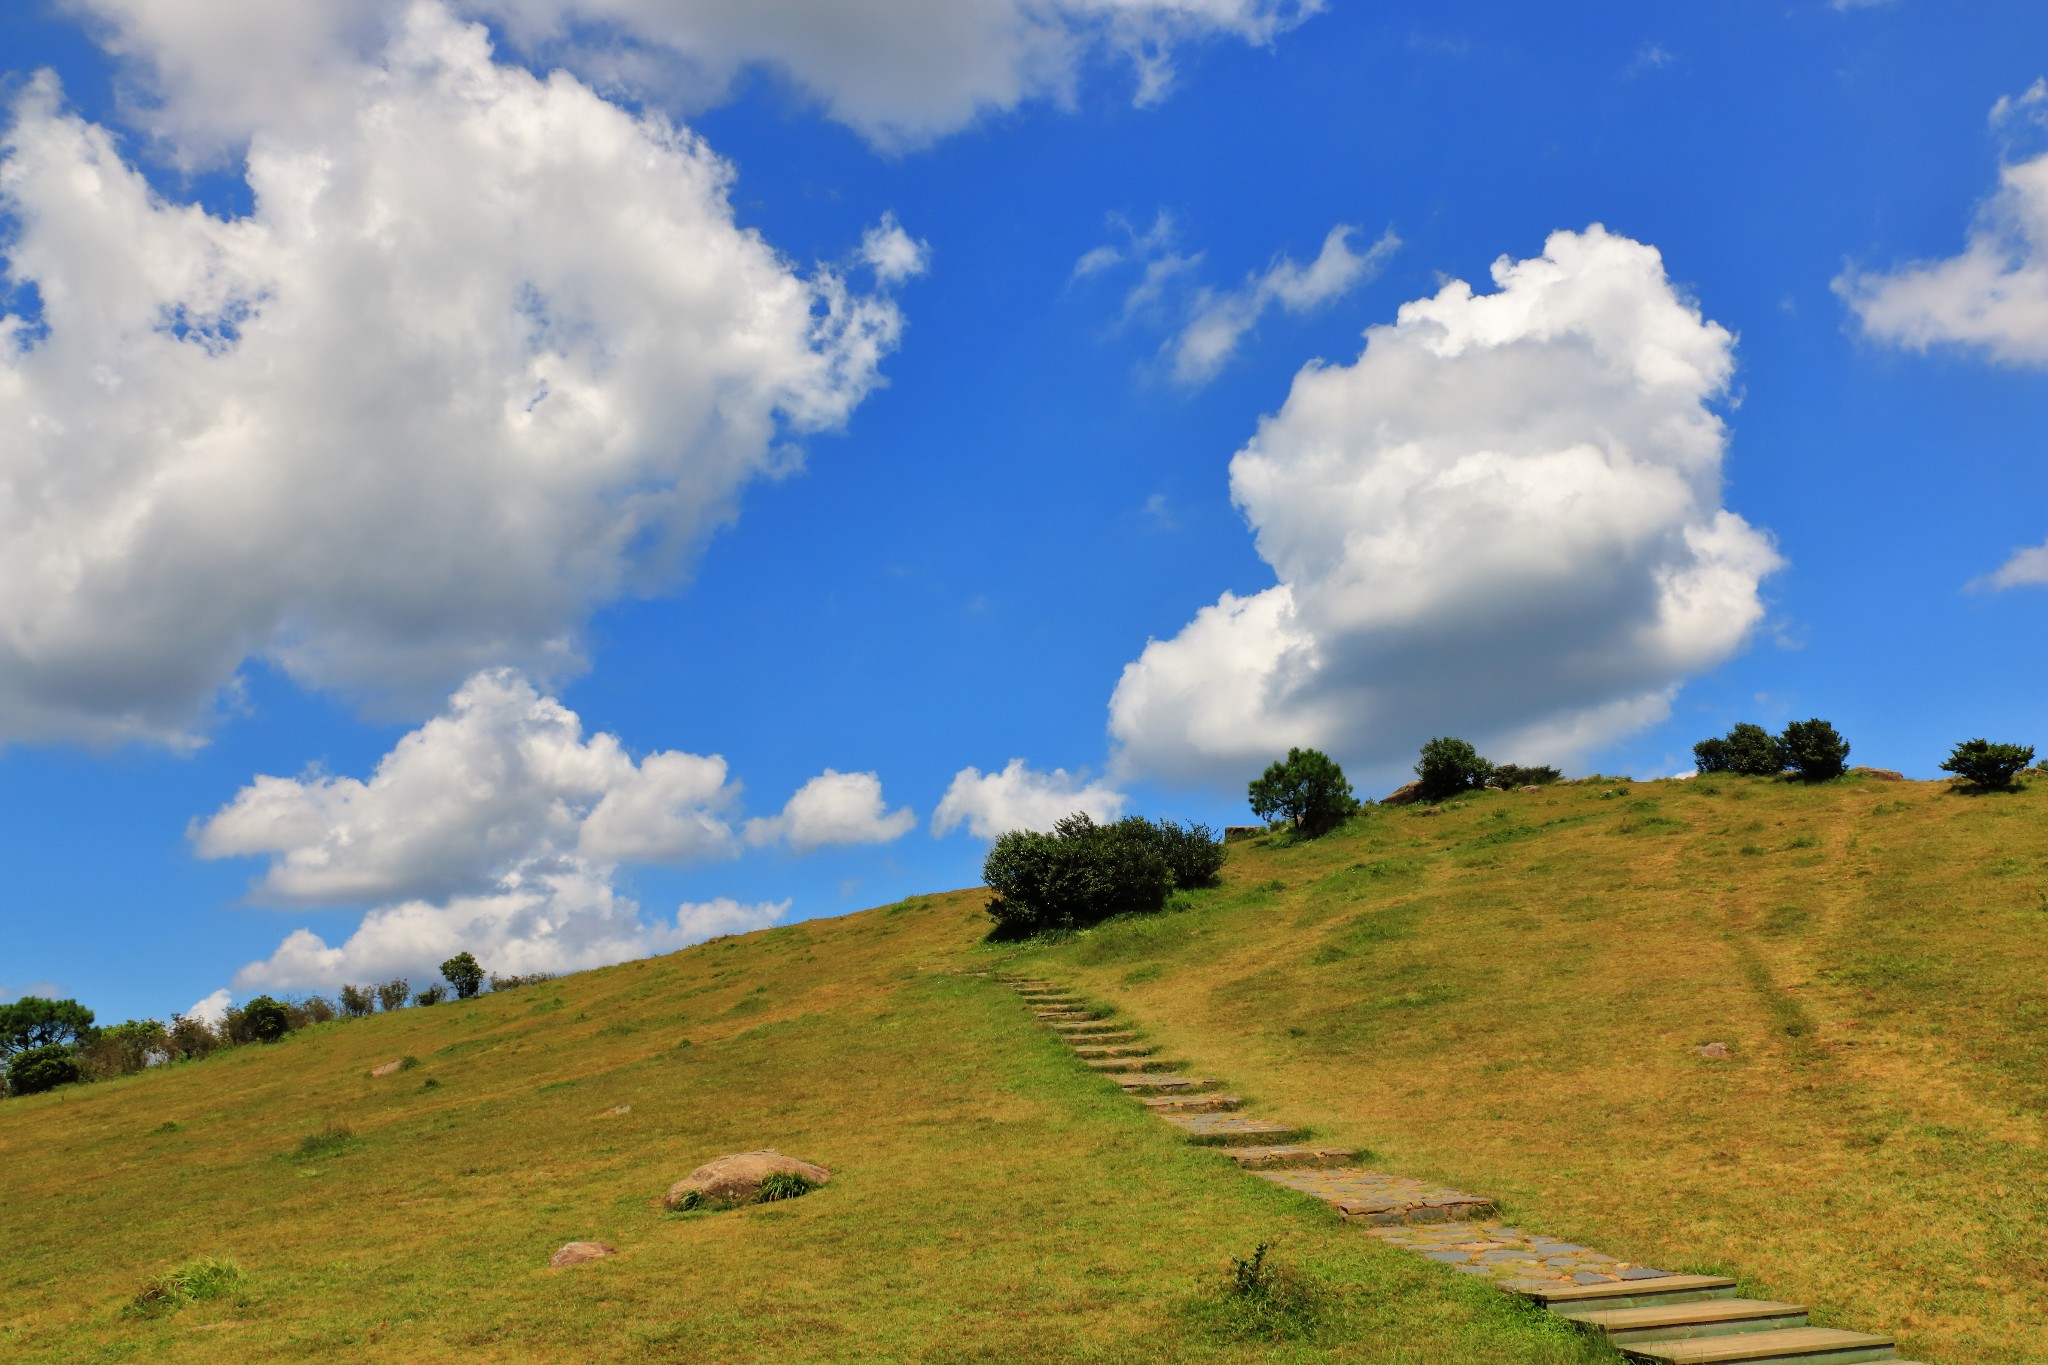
(855, 405)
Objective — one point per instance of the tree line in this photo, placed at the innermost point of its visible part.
(45, 1043)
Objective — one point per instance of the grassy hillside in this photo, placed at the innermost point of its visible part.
(1508, 996)
(1505, 996)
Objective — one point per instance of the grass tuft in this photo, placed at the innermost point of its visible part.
(207, 1277)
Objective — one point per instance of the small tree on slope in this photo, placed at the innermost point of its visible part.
(1987, 765)
(1307, 789)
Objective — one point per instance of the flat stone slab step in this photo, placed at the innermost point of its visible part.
(1525, 1262)
(1818, 1345)
(1163, 1083)
(1102, 1051)
(1231, 1130)
(1706, 1318)
(1073, 1016)
(1193, 1104)
(1382, 1200)
(1642, 1292)
(1286, 1155)
(1114, 1065)
(1076, 1026)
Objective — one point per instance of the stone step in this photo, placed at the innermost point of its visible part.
(1057, 1002)
(1117, 1065)
(1106, 1051)
(1074, 1029)
(1706, 1318)
(1155, 1083)
(1286, 1156)
(1066, 1016)
(1380, 1200)
(1806, 1345)
(1193, 1104)
(1569, 1299)
(1233, 1130)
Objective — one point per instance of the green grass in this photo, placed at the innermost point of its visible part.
(990, 1200)
(1518, 1014)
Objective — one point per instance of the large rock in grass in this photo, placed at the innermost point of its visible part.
(1406, 795)
(576, 1253)
(1881, 774)
(732, 1180)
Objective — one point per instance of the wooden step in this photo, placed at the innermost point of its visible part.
(1705, 1318)
(1647, 1293)
(1193, 1104)
(1287, 1156)
(1233, 1130)
(1807, 1345)
(1155, 1083)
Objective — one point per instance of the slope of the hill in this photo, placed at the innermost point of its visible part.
(993, 1202)
(1509, 995)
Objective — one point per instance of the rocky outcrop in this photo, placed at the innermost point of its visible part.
(736, 1179)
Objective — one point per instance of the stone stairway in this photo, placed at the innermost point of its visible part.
(1648, 1314)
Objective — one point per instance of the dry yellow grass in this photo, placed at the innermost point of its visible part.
(992, 1201)
(1507, 996)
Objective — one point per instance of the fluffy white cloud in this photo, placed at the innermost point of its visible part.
(559, 921)
(495, 828)
(900, 71)
(503, 780)
(990, 804)
(1502, 521)
(1221, 319)
(893, 254)
(211, 1008)
(2027, 568)
(1994, 295)
(487, 351)
(834, 808)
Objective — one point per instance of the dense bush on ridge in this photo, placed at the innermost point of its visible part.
(1448, 766)
(1082, 873)
(1812, 749)
(1990, 766)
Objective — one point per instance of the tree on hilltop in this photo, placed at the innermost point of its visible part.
(1990, 766)
(1814, 749)
(464, 975)
(1448, 766)
(34, 1022)
(1307, 789)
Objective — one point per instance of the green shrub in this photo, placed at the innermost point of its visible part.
(1509, 776)
(1814, 750)
(357, 1001)
(326, 1142)
(393, 994)
(1307, 789)
(267, 1020)
(509, 982)
(1448, 766)
(126, 1048)
(463, 973)
(782, 1185)
(209, 1277)
(1747, 750)
(1080, 874)
(37, 1069)
(1262, 1300)
(1193, 853)
(431, 995)
(1990, 766)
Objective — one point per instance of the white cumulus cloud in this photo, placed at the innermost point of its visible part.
(2027, 568)
(212, 1007)
(1993, 295)
(564, 920)
(1220, 320)
(834, 808)
(901, 72)
(487, 351)
(1503, 520)
(893, 254)
(495, 828)
(1020, 797)
(503, 779)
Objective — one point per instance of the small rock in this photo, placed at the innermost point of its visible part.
(1403, 796)
(388, 1069)
(737, 1179)
(1881, 774)
(1233, 833)
(576, 1253)
(1713, 1050)
(1532, 788)
(621, 1109)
